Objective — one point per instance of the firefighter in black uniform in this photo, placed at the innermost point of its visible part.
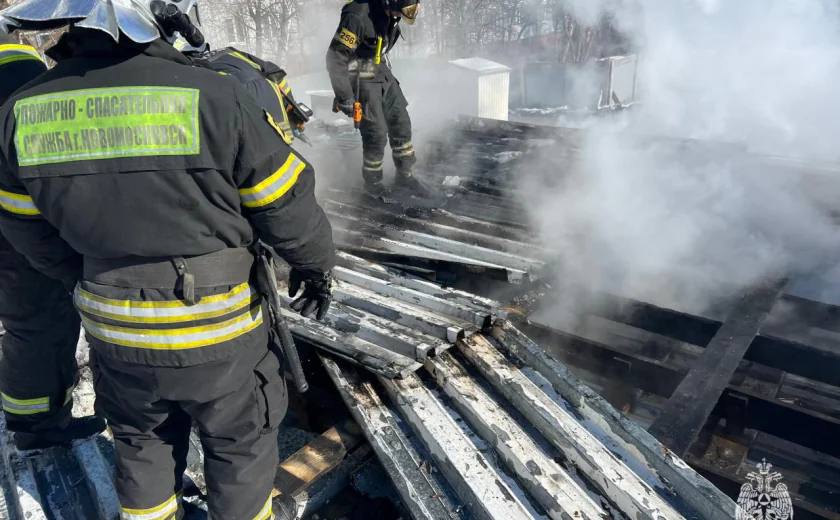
(359, 72)
(161, 175)
(38, 364)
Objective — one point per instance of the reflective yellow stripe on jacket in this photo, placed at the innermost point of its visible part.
(15, 52)
(149, 324)
(285, 125)
(275, 186)
(18, 204)
(246, 59)
(284, 86)
(128, 311)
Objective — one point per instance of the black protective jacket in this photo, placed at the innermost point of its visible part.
(125, 150)
(20, 64)
(363, 23)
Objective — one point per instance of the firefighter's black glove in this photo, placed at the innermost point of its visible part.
(345, 107)
(317, 293)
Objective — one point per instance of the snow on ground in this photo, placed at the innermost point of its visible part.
(83, 396)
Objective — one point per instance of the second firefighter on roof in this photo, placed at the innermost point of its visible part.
(365, 86)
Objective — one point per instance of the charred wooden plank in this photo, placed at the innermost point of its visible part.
(689, 407)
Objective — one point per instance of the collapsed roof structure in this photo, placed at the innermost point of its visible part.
(753, 377)
(469, 417)
(475, 412)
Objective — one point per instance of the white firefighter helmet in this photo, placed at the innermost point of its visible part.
(132, 18)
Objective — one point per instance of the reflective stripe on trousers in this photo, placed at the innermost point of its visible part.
(168, 509)
(404, 150)
(373, 165)
(17, 406)
(164, 511)
(36, 405)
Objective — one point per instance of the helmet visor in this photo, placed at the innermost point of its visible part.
(410, 13)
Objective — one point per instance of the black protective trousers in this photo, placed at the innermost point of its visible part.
(385, 118)
(236, 404)
(38, 364)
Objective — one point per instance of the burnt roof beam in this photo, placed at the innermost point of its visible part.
(684, 415)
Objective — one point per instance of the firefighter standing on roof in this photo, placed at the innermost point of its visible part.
(359, 72)
(162, 175)
(38, 365)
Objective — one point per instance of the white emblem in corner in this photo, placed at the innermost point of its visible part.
(764, 497)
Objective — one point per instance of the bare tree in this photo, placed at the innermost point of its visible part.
(294, 30)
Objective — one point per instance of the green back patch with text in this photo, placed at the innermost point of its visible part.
(107, 123)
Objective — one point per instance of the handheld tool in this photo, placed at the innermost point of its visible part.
(267, 285)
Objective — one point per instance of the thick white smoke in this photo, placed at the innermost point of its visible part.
(680, 224)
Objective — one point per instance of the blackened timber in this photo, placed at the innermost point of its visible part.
(98, 474)
(383, 217)
(647, 316)
(791, 423)
(781, 404)
(776, 346)
(686, 412)
(421, 320)
(592, 352)
(802, 359)
(356, 241)
(362, 232)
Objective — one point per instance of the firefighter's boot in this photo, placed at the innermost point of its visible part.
(375, 189)
(372, 173)
(406, 182)
(77, 428)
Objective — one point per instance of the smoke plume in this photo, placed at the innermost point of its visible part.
(650, 212)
